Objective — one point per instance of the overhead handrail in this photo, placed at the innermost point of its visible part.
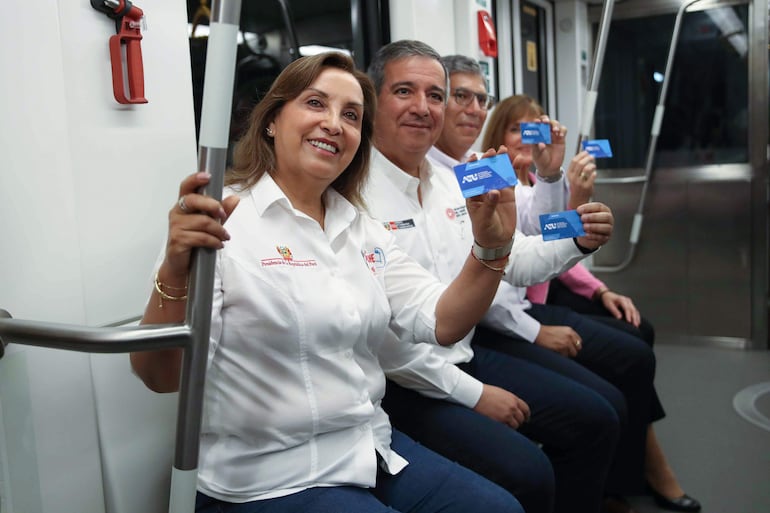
(657, 121)
(592, 88)
(193, 334)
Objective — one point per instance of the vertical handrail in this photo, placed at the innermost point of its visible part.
(193, 334)
(636, 227)
(592, 88)
(288, 20)
(216, 109)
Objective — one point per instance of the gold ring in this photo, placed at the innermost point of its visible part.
(583, 176)
(577, 343)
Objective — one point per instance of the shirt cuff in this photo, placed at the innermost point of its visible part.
(528, 328)
(584, 250)
(468, 390)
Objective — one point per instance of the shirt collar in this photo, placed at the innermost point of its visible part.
(442, 158)
(266, 193)
(401, 179)
(340, 213)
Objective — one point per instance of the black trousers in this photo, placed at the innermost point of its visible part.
(610, 360)
(559, 294)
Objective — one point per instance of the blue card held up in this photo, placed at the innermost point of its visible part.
(484, 175)
(561, 225)
(533, 133)
(599, 148)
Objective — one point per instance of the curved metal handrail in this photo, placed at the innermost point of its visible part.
(92, 340)
(193, 334)
(636, 227)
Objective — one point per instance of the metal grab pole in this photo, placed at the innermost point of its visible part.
(193, 335)
(592, 89)
(657, 121)
(212, 157)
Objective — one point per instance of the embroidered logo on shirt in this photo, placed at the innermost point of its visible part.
(399, 225)
(286, 259)
(375, 259)
(284, 252)
(453, 213)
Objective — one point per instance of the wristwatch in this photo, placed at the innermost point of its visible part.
(483, 253)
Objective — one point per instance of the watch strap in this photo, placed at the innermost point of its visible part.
(550, 179)
(483, 253)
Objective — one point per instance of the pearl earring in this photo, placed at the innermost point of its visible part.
(269, 131)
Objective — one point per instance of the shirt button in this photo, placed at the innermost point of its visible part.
(349, 353)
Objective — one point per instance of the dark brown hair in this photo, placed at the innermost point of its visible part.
(254, 154)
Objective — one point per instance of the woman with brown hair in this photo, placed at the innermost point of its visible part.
(641, 459)
(306, 288)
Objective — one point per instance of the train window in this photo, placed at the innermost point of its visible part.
(272, 34)
(705, 119)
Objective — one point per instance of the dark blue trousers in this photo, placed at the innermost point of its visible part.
(610, 360)
(429, 484)
(577, 428)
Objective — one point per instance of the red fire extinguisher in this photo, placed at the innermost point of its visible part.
(487, 37)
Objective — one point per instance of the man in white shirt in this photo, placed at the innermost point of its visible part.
(426, 211)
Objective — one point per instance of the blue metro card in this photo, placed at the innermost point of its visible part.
(484, 175)
(561, 225)
(599, 148)
(533, 133)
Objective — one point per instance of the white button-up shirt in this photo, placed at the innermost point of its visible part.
(293, 391)
(508, 313)
(541, 198)
(438, 234)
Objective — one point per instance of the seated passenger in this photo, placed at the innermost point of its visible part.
(645, 460)
(306, 288)
(423, 206)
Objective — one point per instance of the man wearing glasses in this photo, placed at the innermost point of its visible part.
(481, 414)
(466, 109)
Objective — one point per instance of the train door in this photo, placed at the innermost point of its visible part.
(700, 271)
(528, 51)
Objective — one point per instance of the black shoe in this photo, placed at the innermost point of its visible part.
(683, 503)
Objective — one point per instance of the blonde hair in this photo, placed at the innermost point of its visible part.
(254, 153)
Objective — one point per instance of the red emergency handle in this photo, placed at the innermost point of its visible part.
(130, 35)
(487, 37)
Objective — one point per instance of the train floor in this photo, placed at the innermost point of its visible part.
(716, 434)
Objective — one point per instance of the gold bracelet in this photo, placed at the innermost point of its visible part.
(500, 270)
(159, 289)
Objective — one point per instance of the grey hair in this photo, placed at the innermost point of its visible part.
(461, 64)
(398, 50)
